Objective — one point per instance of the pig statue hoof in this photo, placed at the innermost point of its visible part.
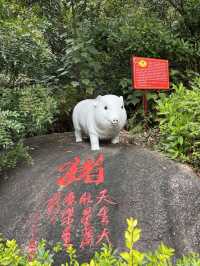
(95, 148)
(78, 136)
(78, 140)
(100, 118)
(115, 140)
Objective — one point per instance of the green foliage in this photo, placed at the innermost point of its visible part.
(105, 256)
(80, 65)
(180, 123)
(11, 131)
(43, 255)
(9, 157)
(37, 109)
(134, 106)
(66, 98)
(23, 112)
(10, 254)
(191, 260)
(93, 43)
(162, 256)
(34, 107)
(23, 49)
(132, 235)
(10, 128)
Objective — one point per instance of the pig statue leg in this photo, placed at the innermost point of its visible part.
(78, 135)
(94, 141)
(77, 129)
(115, 140)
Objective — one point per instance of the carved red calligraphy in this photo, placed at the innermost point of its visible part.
(90, 171)
(63, 206)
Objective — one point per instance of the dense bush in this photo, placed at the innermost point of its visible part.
(23, 49)
(98, 57)
(23, 112)
(66, 98)
(11, 132)
(88, 45)
(10, 254)
(97, 50)
(180, 123)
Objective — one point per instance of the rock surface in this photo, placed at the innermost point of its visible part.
(46, 199)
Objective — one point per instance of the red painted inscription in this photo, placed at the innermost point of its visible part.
(62, 206)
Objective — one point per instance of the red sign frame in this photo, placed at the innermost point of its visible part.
(150, 73)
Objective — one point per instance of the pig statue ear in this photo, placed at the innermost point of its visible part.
(97, 100)
(121, 98)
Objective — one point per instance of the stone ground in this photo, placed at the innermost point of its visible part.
(163, 195)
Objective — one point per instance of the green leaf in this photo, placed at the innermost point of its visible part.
(125, 256)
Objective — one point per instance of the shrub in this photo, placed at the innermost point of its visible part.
(10, 157)
(23, 49)
(66, 98)
(179, 116)
(37, 109)
(192, 260)
(10, 254)
(23, 112)
(11, 131)
(34, 107)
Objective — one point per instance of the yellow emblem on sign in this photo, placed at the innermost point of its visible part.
(142, 63)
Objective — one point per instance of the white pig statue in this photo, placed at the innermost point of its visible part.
(100, 118)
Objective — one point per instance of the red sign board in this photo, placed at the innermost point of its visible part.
(150, 73)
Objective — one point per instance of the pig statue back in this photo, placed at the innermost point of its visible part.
(100, 118)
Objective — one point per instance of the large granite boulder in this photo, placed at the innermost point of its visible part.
(74, 195)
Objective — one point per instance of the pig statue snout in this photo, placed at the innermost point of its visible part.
(115, 122)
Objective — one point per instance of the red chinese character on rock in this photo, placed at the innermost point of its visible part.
(33, 224)
(103, 215)
(104, 235)
(70, 199)
(93, 172)
(53, 207)
(67, 216)
(86, 198)
(72, 165)
(32, 249)
(66, 236)
(104, 197)
(86, 216)
(90, 172)
(70, 175)
(88, 237)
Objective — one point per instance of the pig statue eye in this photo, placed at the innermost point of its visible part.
(122, 107)
(105, 107)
